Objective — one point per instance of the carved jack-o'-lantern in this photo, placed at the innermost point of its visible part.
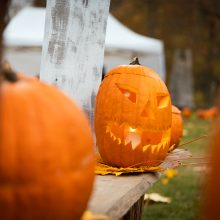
(132, 117)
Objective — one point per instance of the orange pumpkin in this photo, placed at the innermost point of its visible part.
(211, 189)
(47, 158)
(132, 117)
(176, 127)
(207, 113)
(186, 112)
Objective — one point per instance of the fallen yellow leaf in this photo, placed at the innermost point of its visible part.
(170, 173)
(165, 181)
(172, 160)
(104, 169)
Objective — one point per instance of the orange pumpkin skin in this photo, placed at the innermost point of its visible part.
(46, 159)
(176, 127)
(211, 195)
(132, 117)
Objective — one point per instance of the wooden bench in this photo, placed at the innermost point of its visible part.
(72, 59)
(121, 197)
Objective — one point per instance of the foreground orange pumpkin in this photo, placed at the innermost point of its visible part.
(132, 117)
(211, 202)
(176, 128)
(46, 153)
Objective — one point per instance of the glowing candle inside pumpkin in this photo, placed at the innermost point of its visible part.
(132, 129)
(133, 136)
(127, 94)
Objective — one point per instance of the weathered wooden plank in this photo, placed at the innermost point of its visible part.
(135, 212)
(73, 48)
(114, 196)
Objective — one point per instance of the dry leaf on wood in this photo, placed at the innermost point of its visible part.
(171, 161)
(155, 197)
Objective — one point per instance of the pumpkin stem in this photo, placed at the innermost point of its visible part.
(8, 73)
(135, 61)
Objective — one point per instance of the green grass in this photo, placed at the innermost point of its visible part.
(185, 187)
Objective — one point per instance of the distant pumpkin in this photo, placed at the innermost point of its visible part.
(46, 159)
(207, 113)
(176, 127)
(133, 117)
(186, 112)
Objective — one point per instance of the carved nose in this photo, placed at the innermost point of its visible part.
(148, 111)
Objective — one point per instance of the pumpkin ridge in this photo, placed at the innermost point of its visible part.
(137, 74)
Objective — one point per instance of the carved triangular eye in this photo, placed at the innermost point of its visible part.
(127, 92)
(147, 111)
(162, 100)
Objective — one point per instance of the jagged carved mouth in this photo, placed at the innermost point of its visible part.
(138, 138)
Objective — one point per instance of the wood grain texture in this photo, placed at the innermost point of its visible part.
(135, 211)
(114, 196)
(73, 48)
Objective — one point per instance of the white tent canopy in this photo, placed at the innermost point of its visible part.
(26, 29)
(120, 37)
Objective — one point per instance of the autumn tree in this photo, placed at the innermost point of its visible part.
(182, 24)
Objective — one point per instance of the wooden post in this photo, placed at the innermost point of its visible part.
(181, 80)
(73, 48)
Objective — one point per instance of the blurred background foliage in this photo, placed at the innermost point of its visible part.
(180, 24)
